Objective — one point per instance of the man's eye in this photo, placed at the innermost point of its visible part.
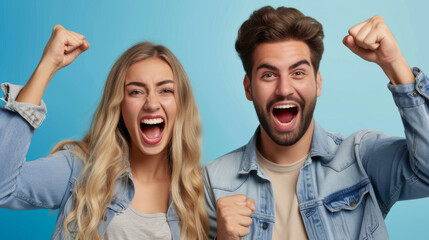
(298, 74)
(268, 75)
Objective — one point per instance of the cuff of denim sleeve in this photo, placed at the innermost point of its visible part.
(33, 114)
(411, 94)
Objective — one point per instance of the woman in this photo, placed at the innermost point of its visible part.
(136, 173)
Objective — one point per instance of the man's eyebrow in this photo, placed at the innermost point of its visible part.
(273, 68)
(268, 66)
(299, 63)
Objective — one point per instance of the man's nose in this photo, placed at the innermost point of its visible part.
(284, 87)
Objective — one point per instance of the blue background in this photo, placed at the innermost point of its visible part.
(202, 35)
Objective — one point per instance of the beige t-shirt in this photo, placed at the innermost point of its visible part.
(284, 178)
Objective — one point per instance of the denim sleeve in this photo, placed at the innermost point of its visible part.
(399, 168)
(210, 204)
(29, 185)
(32, 113)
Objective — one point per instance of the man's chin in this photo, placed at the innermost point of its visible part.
(286, 142)
(284, 138)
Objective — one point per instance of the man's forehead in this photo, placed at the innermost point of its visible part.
(281, 54)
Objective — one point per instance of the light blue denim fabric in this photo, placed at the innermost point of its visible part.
(32, 113)
(48, 182)
(347, 185)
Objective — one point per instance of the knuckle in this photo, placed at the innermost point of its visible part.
(359, 38)
(249, 221)
(378, 17)
(241, 197)
(377, 21)
(224, 215)
(353, 31)
(367, 42)
(220, 203)
(230, 228)
(379, 25)
(228, 219)
(248, 212)
(57, 27)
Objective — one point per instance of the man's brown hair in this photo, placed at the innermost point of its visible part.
(272, 25)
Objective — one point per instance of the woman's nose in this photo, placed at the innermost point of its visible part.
(152, 103)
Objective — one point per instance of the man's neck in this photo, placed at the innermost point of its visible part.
(285, 154)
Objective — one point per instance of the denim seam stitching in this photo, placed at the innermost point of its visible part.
(234, 189)
(31, 201)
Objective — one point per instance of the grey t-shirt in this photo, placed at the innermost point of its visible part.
(132, 224)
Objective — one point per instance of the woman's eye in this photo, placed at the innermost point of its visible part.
(135, 92)
(167, 91)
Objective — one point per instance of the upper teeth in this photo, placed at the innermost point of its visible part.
(284, 106)
(152, 120)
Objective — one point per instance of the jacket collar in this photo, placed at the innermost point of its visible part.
(320, 146)
(249, 161)
(124, 193)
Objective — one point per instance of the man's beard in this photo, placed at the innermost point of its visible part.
(291, 137)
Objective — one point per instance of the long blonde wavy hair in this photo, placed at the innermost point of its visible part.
(105, 149)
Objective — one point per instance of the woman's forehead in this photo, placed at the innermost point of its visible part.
(152, 70)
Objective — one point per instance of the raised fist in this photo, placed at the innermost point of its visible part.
(63, 48)
(373, 41)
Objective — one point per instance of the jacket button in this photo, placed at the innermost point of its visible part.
(104, 218)
(352, 203)
(415, 93)
(264, 226)
(421, 85)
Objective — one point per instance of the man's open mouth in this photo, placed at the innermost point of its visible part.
(285, 113)
(152, 129)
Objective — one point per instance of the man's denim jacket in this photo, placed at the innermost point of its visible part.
(48, 182)
(347, 185)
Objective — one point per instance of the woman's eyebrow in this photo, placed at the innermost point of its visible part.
(164, 82)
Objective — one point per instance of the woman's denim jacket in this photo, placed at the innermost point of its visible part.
(347, 185)
(48, 182)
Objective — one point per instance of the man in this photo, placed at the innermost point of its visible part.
(294, 180)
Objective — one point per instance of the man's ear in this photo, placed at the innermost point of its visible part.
(319, 84)
(247, 87)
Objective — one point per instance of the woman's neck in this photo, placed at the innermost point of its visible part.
(149, 168)
(151, 175)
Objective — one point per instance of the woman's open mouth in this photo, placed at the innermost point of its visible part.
(285, 115)
(152, 129)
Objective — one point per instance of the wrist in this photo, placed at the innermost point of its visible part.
(34, 89)
(398, 71)
(46, 69)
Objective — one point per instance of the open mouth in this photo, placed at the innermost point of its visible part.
(285, 114)
(152, 129)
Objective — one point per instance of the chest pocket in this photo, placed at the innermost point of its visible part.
(352, 212)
